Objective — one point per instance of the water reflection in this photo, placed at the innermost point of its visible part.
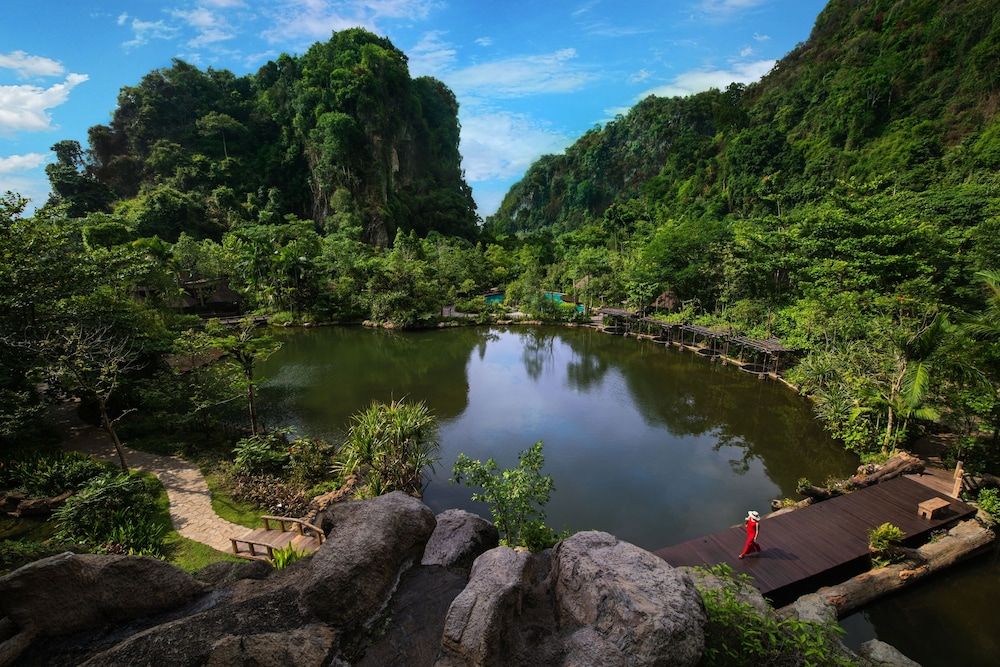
(651, 444)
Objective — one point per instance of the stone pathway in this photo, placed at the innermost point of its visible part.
(190, 502)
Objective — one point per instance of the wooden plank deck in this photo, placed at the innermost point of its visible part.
(822, 543)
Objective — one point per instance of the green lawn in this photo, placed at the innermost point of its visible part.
(242, 514)
(182, 552)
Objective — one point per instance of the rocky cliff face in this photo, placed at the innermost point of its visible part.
(391, 585)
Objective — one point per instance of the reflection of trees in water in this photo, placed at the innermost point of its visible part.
(324, 376)
(539, 350)
(693, 397)
(589, 365)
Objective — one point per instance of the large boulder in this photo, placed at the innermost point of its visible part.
(370, 543)
(481, 617)
(250, 612)
(641, 609)
(459, 538)
(593, 600)
(71, 592)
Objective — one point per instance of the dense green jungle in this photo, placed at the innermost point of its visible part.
(848, 203)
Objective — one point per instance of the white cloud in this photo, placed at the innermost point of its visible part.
(27, 65)
(211, 28)
(761, 38)
(122, 18)
(307, 20)
(26, 107)
(24, 162)
(696, 81)
(522, 75)
(746, 51)
(484, 41)
(640, 76)
(35, 188)
(584, 8)
(144, 31)
(726, 8)
(501, 145)
(223, 4)
(431, 55)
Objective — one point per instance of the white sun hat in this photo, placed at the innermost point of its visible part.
(752, 514)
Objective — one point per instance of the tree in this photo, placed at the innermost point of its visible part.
(91, 363)
(516, 496)
(244, 350)
(214, 121)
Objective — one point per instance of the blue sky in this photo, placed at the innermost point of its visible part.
(529, 76)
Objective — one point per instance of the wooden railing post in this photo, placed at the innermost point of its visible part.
(959, 478)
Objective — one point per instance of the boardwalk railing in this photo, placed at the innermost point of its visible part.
(261, 543)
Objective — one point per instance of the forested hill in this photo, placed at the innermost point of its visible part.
(904, 92)
(340, 135)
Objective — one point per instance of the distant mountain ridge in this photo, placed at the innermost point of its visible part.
(882, 89)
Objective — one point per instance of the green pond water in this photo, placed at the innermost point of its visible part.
(652, 444)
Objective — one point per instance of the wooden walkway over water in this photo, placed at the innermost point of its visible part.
(820, 544)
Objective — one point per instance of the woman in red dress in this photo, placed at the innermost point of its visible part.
(753, 530)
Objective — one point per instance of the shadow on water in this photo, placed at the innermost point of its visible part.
(653, 445)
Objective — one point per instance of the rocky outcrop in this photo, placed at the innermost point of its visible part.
(365, 598)
(370, 543)
(71, 592)
(593, 600)
(459, 538)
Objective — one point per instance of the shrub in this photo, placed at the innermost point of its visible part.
(51, 475)
(388, 446)
(738, 634)
(989, 501)
(309, 461)
(266, 453)
(267, 491)
(516, 497)
(285, 556)
(884, 536)
(113, 513)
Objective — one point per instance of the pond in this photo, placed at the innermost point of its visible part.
(651, 444)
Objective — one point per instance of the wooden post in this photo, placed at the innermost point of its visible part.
(959, 478)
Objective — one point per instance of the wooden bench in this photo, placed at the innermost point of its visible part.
(933, 508)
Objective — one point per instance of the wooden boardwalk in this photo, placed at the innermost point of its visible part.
(820, 544)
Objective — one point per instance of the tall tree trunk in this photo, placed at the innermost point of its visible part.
(252, 405)
(888, 432)
(110, 428)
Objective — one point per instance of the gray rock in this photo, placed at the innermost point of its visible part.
(247, 609)
(308, 646)
(813, 607)
(71, 592)
(227, 572)
(417, 614)
(459, 538)
(884, 655)
(644, 610)
(481, 618)
(371, 542)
